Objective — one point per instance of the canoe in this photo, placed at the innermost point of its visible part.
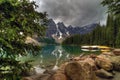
(96, 48)
(89, 48)
(104, 49)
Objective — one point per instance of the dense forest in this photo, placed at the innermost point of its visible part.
(108, 34)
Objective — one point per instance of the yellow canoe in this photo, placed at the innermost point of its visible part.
(104, 48)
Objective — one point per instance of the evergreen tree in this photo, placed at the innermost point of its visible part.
(117, 31)
(110, 30)
(118, 39)
(114, 8)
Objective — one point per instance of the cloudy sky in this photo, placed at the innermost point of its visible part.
(73, 12)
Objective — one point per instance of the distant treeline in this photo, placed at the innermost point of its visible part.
(47, 40)
(108, 34)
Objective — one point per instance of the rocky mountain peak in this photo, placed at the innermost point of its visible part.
(60, 31)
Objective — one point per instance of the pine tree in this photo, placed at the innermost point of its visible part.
(118, 39)
(110, 30)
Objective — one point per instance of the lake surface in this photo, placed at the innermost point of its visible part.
(51, 56)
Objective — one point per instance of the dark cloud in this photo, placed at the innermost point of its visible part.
(74, 12)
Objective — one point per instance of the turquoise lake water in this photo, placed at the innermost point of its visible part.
(53, 55)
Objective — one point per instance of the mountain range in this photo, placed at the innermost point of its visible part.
(59, 31)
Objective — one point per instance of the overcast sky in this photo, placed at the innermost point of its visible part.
(73, 12)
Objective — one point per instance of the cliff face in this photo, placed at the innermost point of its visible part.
(60, 31)
(51, 29)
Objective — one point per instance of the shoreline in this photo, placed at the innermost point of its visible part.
(88, 67)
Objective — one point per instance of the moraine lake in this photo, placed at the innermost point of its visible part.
(51, 56)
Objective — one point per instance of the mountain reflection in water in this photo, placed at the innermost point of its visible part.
(51, 56)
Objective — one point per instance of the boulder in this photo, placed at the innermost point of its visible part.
(104, 74)
(78, 70)
(62, 68)
(108, 53)
(30, 40)
(116, 52)
(60, 73)
(38, 77)
(103, 62)
(58, 76)
(91, 62)
(27, 78)
(76, 58)
(115, 60)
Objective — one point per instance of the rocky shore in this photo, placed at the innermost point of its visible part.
(105, 66)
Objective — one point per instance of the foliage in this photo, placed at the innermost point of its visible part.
(113, 6)
(18, 19)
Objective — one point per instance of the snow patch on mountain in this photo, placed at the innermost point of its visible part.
(59, 31)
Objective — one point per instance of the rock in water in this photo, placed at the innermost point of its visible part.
(80, 71)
